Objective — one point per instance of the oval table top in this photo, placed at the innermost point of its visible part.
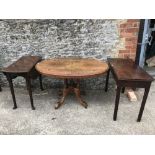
(72, 68)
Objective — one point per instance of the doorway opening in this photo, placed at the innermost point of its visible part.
(147, 46)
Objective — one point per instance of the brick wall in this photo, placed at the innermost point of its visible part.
(129, 35)
(97, 39)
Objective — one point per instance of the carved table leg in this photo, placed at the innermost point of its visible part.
(61, 102)
(12, 90)
(64, 94)
(74, 87)
(77, 93)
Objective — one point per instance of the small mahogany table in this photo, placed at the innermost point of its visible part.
(127, 74)
(25, 67)
(72, 70)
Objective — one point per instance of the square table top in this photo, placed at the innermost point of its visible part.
(126, 69)
(22, 65)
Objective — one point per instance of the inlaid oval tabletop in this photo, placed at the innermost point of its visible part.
(69, 68)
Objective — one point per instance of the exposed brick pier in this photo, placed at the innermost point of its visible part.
(129, 34)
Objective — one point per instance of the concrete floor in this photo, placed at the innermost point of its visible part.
(72, 118)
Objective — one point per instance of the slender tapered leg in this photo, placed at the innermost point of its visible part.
(116, 102)
(107, 81)
(12, 91)
(143, 103)
(0, 88)
(28, 83)
(40, 80)
(123, 89)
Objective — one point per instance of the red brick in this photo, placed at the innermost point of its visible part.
(126, 55)
(132, 54)
(124, 51)
(125, 34)
(131, 38)
(122, 30)
(131, 30)
(123, 25)
(132, 20)
(133, 42)
(136, 25)
(120, 55)
(132, 51)
(131, 47)
(126, 25)
(130, 43)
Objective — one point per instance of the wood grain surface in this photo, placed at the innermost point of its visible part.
(126, 69)
(22, 65)
(71, 68)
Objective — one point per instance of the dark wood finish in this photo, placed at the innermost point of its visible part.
(123, 89)
(72, 70)
(146, 92)
(127, 74)
(116, 102)
(25, 67)
(107, 80)
(126, 69)
(0, 84)
(40, 81)
(28, 84)
(12, 90)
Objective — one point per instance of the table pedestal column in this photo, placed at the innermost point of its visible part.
(73, 86)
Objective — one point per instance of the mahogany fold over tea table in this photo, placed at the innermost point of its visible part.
(127, 74)
(72, 70)
(25, 67)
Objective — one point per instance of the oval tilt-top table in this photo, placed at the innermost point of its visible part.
(71, 70)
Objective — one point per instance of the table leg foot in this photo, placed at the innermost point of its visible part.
(58, 105)
(15, 107)
(33, 108)
(81, 101)
(84, 104)
(62, 100)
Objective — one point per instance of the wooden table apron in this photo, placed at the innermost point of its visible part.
(71, 70)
